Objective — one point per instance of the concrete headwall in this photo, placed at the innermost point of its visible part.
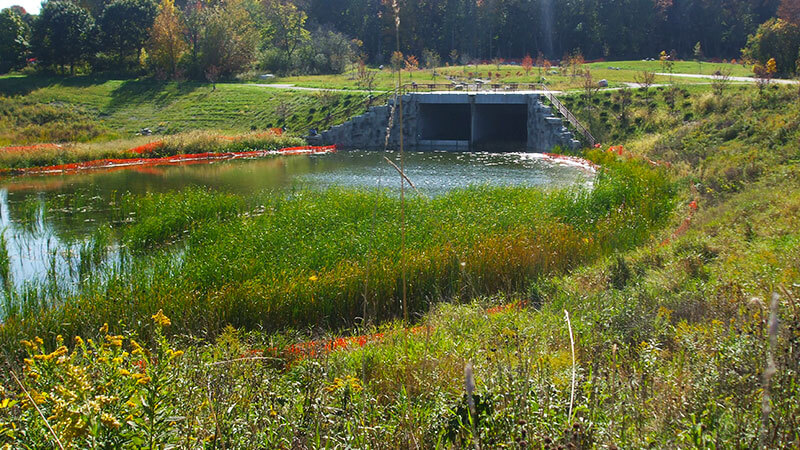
(456, 121)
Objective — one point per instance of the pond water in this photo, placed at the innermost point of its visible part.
(46, 220)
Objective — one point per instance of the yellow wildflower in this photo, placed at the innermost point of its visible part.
(313, 278)
(109, 420)
(117, 360)
(161, 319)
(141, 378)
(115, 341)
(124, 372)
(37, 397)
(79, 341)
(28, 344)
(38, 340)
(130, 404)
(137, 349)
(104, 328)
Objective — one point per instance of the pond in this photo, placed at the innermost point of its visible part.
(47, 220)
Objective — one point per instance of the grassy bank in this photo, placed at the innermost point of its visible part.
(143, 147)
(85, 109)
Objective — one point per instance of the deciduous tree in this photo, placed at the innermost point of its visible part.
(63, 35)
(284, 27)
(527, 64)
(125, 26)
(776, 39)
(167, 44)
(13, 40)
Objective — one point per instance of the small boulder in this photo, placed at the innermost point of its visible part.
(602, 83)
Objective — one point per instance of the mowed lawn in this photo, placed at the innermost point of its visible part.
(29, 106)
(617, 73)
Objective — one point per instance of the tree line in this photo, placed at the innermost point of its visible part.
(199, 39)
(220, 38)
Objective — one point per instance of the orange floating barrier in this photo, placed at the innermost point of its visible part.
(170, 160)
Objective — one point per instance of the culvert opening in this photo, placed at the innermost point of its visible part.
(500, 126)
(445, 122)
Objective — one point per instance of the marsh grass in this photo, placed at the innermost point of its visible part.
(190, 142)
(302, 259)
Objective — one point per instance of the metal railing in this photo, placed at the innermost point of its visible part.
(569, 116)
(469, 87)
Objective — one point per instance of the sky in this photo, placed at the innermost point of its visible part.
(32, 6)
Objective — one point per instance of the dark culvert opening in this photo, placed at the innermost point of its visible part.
(500, 127)
(445, 122)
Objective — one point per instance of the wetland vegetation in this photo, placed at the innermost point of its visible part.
(247, 320)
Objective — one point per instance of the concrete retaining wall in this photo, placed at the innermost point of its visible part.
(421, 131)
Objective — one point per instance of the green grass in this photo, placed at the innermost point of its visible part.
(42, 109)
(276, 262)
(688, 67)
(560, 80)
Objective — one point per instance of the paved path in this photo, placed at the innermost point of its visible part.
(292, 87)
(711, 77)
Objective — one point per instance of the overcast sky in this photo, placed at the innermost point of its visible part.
(32, 6)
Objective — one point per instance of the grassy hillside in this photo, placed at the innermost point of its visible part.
(40, 109)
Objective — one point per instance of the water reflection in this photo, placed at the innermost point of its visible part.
(47, 220)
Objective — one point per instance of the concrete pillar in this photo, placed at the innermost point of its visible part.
(474, 124)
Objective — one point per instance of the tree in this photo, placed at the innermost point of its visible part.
(453, 57)
(166, 44)
(284, 28)
(645, 79)
(13, 40)
(720, 81)
(365, 78)
(194, 22)
(228, 40)
(623, 98)
(540, 63)
(762, 78)
(789, 10)
(62, 35)
(527, 64)
(125, 26)
(411, 65)
(212, 76)
(432, 61)
(328, 51)
(698, 55)
(667, 63)
(778, 39)
(397, 61)
(590, 88)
